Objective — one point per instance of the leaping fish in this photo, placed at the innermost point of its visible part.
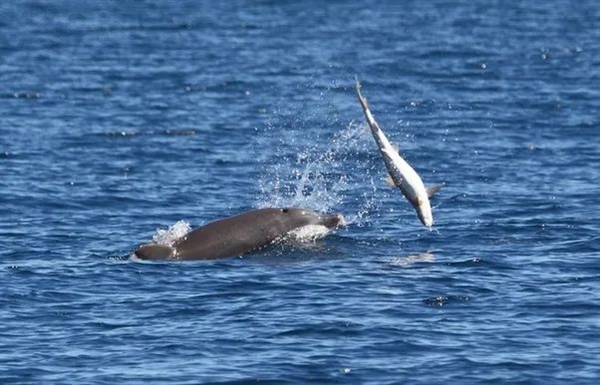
(402, 175)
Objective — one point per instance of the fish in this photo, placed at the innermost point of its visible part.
(401, 174)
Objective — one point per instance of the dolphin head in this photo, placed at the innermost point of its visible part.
(333, 221)
(309, 217)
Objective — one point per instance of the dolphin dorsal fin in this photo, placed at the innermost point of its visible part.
(434, 189)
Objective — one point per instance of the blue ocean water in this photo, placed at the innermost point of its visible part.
(118, 118)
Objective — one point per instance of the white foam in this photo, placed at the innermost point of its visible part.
(308, 233)
(172, 234)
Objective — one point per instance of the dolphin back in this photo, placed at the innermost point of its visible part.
(238, 235)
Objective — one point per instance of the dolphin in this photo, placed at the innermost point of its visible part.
(402, 175)
(239, 234)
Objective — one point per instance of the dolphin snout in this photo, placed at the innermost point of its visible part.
(333, 221)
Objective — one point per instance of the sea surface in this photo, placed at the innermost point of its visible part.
(122, 119)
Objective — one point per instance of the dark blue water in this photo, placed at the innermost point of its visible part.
(118, 118)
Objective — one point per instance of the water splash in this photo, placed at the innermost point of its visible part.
(316, 175)
(173, 233)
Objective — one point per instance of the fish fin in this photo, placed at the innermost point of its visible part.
(391, 152)
(365, 106)
(390, 181)
(154, 251)
(434, 189)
